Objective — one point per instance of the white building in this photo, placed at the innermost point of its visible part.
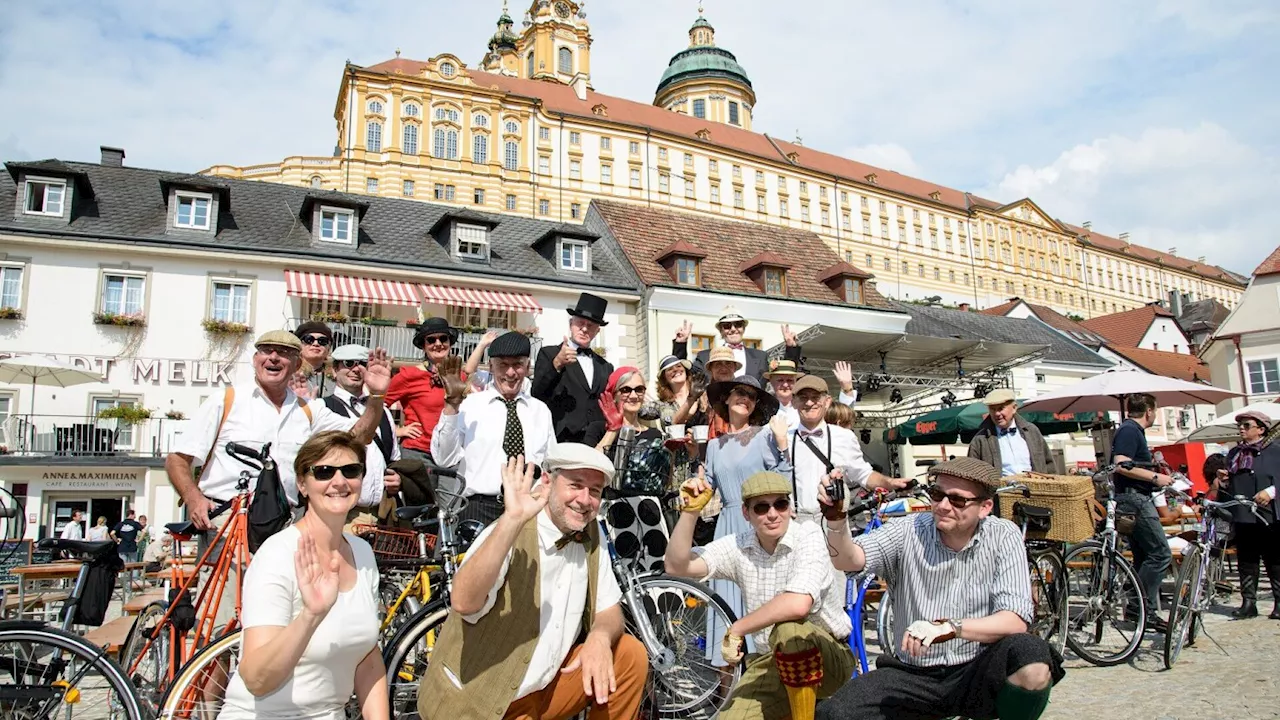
(1244, 353)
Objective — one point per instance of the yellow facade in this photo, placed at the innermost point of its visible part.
(429, 130)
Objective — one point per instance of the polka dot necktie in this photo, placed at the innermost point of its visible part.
(513, 438)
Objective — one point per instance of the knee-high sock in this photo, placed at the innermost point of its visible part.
(801, 674)
(1015, 703)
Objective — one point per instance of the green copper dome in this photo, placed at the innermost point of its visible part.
(705, 61)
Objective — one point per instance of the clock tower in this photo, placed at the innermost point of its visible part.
(555, 43)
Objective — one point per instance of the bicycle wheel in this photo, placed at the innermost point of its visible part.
(46, 672)
(145, 655)
(201, 685)
(390, 587)
(1184, 608)
(1106, 612)
(1047, 595)
(683, 682)
(407, 655)
(884, 625)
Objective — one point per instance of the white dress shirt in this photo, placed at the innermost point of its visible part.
(375, 465)
(1014, 456)
(472, 438)
(586, 362)
(563, 585)
(845, 453)
(791, 414)
(740, 354)
(72, 531)
(254, 421)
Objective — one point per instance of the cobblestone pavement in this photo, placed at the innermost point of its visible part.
(1236, 680)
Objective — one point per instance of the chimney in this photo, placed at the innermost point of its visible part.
(963, 307)
(579, 85)
(1173, 251)
(1088, 225)
(1175, 303)
(1200, 259)
(1124, 238)
(112, 156)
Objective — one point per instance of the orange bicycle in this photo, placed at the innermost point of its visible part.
(168, 633)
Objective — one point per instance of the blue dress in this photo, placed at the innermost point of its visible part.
(731, 459)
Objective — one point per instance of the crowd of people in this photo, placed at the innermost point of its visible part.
(745, 453)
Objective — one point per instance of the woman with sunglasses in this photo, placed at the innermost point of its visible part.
(317, 344)
(1251, 467)
(752, 443)
(646, 465)
(310, 615)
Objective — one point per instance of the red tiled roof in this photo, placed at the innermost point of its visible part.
(1126, 328)
(646, 232)
(680, 247)
(1205, 270)
(842, 268)
(1053, 319)
(1168, 364)
(1270, 266)
(560, 98)
(767, 257)
(1004, 308)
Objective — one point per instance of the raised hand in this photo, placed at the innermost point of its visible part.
(695, 493)
(300, 386)
(684, 331)
(317, 572)
(612, 413)
(788, 337)
(778, 425)
(523, 497)
(377, 375)
(488, 338)
(844, 375)
(566, 355)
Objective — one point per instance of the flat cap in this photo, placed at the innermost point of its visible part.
(722, 354)
(314, 327)
(1256, 415)
(765, 483)
(576, 456)
(510, 344)
(810, 382)
(971, 469)
(279, 338)
(351, 351)
(999, 397)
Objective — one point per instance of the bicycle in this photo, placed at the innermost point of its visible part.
(49, 672)
(1103, 591)
(1200, 572)
(1045, 560)
(157, 646)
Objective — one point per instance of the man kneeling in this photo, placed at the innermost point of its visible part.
(961, 593)
(793, 594)
(535, 630)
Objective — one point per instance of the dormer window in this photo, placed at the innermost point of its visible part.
(44, 196)
(689, 271)
(775, 281)
(447, 69)
(192, 211)
(852, 291)
(336, 225)
(575, 255)
(471, 241)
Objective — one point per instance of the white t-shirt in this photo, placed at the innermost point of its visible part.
(322, 683)
(99, 532)
(72, 531)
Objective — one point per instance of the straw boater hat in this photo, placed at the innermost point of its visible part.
(731, 314)
(722, 354)
(971, 469)
(781, 368)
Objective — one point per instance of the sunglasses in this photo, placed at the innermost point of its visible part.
(436, 340)
(736, 325)
(748, 394)
(320, 340)
(350, 471)
(284, 352)
(959, 502)
(348, 364)
(1245, 425)
(782, 504)
(637, 390)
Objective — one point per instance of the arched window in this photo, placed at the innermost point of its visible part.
(566, 61)
(316, 182)
(410, 139)
(451, 144)
(444, 113)
(480, 120)
(512, 127)
(437, 143)
(375, 107)
(480, 149)
(411, 110)
(529, 64)
(373, 137)
(447, 69)
(511, 155)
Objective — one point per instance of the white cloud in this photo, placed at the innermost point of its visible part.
(890, 156)
(1199, 189)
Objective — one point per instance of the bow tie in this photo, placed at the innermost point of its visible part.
(810, 433)
(362, 400)
(579, 536)
(585, 351)
(1006, 432)
(735, 346)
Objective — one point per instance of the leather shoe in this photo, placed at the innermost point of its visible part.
(1157, 624)
(1245, 611)
(1275, 613)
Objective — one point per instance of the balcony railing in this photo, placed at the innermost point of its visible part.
(80, 436)
(398, 341)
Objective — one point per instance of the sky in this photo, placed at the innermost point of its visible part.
(1160, 118)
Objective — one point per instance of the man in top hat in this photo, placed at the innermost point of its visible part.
(732, 326)
(794, 599)
(467, 435)
(317, 342)
(421, 389)
(961, 601)
(782, 376)
(534, 628)
(1007, 442)
(349, 399)
(570, 377)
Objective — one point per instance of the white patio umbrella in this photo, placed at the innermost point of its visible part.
(41, 370)
(1105, 392)
(1224, 428)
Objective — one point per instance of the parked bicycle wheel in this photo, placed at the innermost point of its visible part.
(46, 672)
(1185, 607)
(199, 688)
(1106, 611)
(406, 657)
(1048, 596)
(884, 624)
(146, 664)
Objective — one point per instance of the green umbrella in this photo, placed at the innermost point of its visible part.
(946, 426)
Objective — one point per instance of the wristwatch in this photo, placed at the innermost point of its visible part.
(959, 626)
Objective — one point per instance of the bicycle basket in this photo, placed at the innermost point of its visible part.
(391, 544)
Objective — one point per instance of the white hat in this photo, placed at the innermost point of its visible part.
(351, 352)
(574, 456)
(731, 314)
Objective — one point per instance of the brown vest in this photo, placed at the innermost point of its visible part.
(490, 658)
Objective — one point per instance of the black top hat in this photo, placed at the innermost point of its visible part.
(591, 308)
(766, 404)
(433, 326)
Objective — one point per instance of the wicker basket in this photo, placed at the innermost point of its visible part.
(1068, 496)
(389, 544)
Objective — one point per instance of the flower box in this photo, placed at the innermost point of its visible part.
(225, 327)
(119, 320)
(10, 313)
(127, 414)
(330, 317)
(378, 322)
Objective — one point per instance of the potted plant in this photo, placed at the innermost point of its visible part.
(176, 415)
(378, 322)
(119, 319)
(126, 414)
(225, 327)
(10, 313)
(330, 317)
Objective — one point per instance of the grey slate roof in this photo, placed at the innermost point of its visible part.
(129, 205)
(945, 322)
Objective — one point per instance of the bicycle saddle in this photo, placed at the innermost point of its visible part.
(1032, 512)
(92, 548)
(413, 512)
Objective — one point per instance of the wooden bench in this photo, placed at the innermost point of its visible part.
(111, 636)
(139, 602)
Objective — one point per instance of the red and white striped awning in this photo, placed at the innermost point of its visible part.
(346, 287)
(486, 299)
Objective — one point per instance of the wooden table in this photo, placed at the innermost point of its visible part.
(62, 570)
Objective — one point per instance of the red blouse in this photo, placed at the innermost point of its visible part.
(422, 401)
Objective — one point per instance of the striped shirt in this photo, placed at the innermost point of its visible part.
(799, 564)
(929, 581)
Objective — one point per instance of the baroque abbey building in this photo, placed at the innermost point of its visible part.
(525, 132)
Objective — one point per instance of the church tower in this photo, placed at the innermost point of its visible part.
(706, 81)
(504, 54)
(555, 44)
